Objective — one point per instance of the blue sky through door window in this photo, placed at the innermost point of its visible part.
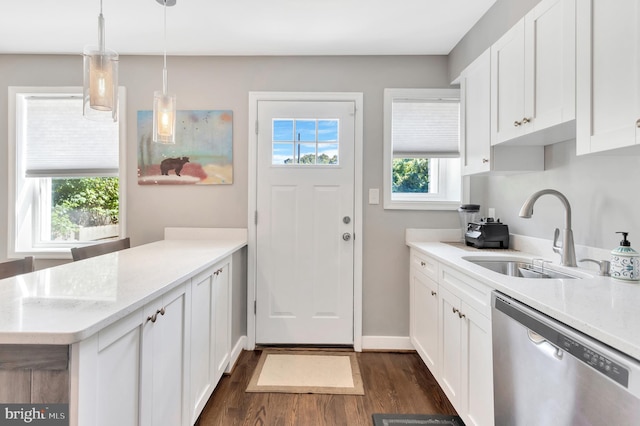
(306, 141)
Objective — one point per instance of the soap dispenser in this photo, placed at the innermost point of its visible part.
(625, 261)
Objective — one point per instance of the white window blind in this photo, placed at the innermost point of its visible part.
(60, 142)
(425, 128)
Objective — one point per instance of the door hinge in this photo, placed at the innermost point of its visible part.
(255, 217)
(255, 307)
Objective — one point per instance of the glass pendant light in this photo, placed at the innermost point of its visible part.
(100, 91)
(164, 104)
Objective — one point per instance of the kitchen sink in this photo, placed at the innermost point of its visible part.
(519, 268)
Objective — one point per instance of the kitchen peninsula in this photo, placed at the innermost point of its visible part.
(139, 336)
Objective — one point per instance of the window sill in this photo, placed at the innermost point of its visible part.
(44, 253)
(421, 205)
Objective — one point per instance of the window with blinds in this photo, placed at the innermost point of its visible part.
(64, 189)
(422, 149)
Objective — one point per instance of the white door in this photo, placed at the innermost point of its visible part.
(304, 231)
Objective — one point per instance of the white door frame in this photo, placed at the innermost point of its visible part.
(254, 98)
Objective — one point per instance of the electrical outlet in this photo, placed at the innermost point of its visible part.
(491, 212)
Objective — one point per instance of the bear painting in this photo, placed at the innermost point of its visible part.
(201, 155)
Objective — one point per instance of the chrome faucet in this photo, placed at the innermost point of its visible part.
(566, 249)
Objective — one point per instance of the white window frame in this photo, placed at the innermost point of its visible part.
(447, 177)
(25, 194)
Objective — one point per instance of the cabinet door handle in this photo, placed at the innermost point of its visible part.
(433, 293)
(153, 317)
(517, 123)
(461, 315)
(638, 123)
(160, 311)
(485, 160)
(455, 311)
(423, 264)
(526, 120)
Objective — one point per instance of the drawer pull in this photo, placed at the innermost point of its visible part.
(457, 311)
(526, 120)
(423, 264)
(154, 317)
(433, 293)
(517, 123)
(638, 123)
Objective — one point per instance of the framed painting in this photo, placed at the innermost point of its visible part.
(202, 154)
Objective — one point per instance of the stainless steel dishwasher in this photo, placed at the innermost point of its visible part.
(546, 373)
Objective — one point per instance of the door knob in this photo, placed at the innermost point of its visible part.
(346, 220)
(346, 236)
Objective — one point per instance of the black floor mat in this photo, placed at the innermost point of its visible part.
(416, 419)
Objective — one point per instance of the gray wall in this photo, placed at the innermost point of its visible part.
(498, 19)
(224, 83)
(602, 189)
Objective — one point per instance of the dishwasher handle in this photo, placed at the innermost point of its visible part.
(538, 340)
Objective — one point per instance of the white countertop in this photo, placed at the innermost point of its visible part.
(68, 303)
(602, 307)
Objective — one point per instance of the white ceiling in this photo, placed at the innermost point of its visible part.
(241, 27)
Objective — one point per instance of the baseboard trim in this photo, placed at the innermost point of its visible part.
(235, 354)
(386, 343)
(369, 343)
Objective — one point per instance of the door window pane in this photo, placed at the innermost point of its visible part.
(306, 130)
(283, 130)
(328, 153)
(282, 152)
(306, 153)
(327, 130)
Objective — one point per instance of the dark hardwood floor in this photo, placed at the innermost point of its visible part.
(393, 383)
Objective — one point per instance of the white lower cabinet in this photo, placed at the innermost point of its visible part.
(451, 331)
(424, 319)
(163, 385)
(160, 364)
(210, 336)
(132, 372)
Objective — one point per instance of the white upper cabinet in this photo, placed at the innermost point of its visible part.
(608, 74)
(478, 156)
(507, 79)
(475, 115)
(533, 77)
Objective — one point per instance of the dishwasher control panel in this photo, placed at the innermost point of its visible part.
(595, 360)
